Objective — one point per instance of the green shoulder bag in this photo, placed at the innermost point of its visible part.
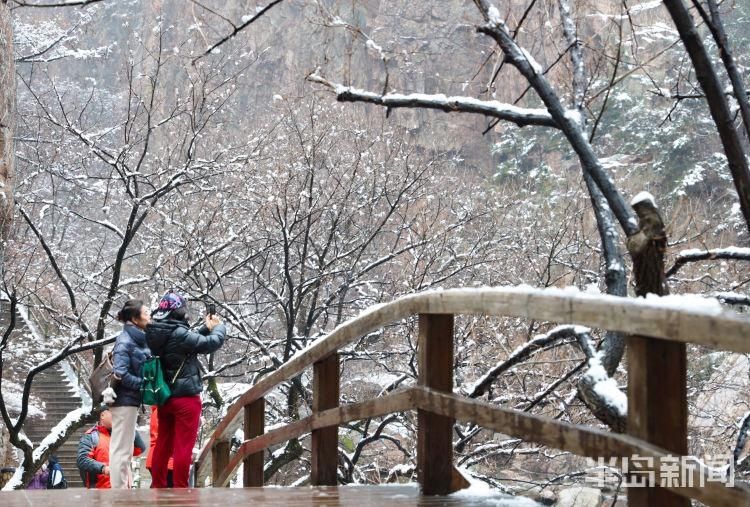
(154, 390)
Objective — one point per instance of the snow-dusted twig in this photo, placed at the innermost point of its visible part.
(215, 373)
(334, 21)
(484, 453)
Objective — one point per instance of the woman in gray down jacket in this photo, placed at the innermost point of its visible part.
(128, 356)
(170, 338)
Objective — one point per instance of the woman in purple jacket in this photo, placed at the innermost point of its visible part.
(39, 481)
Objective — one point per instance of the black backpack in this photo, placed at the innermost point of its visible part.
(56, 478)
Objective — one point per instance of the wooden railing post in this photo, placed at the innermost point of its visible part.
(657, 408)
(657, 369)
(219, 461)
(325, 440)
(255, 420)
(435, 432)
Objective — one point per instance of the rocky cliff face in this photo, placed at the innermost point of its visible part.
(429, 48)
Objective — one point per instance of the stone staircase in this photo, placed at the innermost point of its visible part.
(54, 389)
(60, 397)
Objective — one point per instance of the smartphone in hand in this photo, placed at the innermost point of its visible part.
(211, 309)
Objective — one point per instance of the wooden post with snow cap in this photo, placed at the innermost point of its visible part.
(657, 369)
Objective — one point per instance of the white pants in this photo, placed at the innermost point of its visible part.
(121, 446)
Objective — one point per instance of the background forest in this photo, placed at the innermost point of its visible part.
(146, 160)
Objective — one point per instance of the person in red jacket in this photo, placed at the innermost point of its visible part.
(93, 452)
(154, 433)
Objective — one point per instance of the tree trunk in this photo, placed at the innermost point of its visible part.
(657, 369)
(7, 125)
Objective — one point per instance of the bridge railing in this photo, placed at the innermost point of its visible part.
(653, 326)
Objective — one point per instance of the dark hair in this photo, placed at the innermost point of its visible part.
(131, 308)
(179, 314)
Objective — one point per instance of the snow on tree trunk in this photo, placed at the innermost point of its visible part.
(7, 123)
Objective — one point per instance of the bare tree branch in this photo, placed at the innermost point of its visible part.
(717, 102)
(238, 29)
(716, 26)
(58, 271)
(63, 3)
(522, 353)
(614, 265)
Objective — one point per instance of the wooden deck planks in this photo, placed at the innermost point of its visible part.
(361, 496)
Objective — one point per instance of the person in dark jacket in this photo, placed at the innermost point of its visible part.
(93, 452)
(128, 356)
(170, 338)
(55, 476)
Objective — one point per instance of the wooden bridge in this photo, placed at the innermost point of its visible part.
(657, 415)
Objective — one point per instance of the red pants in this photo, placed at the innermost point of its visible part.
(179, 419)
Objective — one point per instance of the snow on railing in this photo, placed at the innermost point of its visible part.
(682, 319)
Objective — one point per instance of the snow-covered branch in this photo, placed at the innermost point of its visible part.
(492, 108)
(695, 255)
(602, 395)
(731, 298)
(56, 437)
(615, 277)
(570, 124)
(57, 269)
(523, 352)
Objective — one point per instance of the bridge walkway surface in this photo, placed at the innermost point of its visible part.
(361, 496)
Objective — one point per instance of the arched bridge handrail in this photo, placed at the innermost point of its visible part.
(560, 435)
(668, 318)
